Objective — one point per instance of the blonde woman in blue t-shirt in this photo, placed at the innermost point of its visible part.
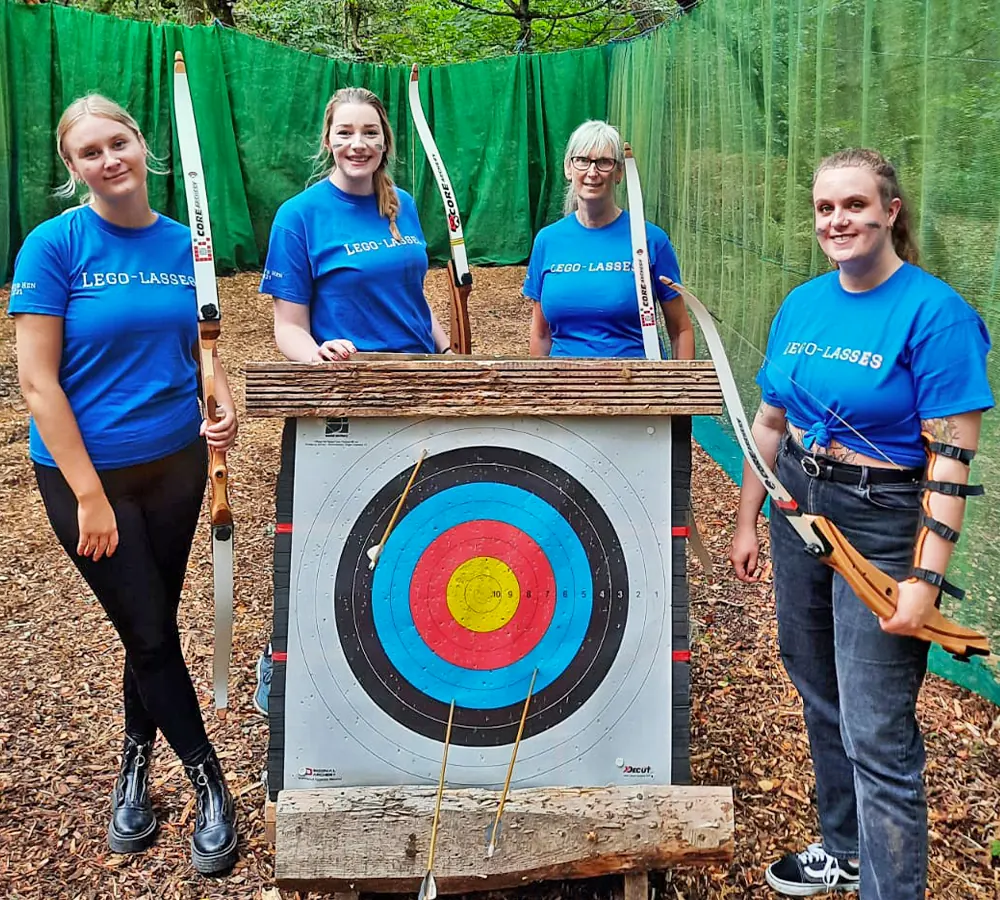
(347, 257)
(580, 272)
(860, 362)
(346, 265)
(104, 306)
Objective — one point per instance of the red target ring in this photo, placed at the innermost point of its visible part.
(435, 621)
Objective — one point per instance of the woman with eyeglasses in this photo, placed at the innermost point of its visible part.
(580, 273)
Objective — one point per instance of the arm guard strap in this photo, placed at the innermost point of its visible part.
(928, 523)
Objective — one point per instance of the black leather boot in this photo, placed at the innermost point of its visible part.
(133, 825)
(213, 844)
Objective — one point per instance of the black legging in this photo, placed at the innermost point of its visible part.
(156, 506)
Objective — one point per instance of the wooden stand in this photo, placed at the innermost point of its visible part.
(375, 839)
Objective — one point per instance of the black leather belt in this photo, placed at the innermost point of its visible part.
(832, 470)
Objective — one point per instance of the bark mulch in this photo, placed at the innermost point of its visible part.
(61, 726)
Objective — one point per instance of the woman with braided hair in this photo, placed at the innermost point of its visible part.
(347, 256)
(871, 370)
(346, 264)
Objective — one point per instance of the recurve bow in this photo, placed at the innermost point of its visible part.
(821, 537)
(460, 277)
(209, 329)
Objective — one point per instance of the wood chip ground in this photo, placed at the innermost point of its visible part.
(60, 676)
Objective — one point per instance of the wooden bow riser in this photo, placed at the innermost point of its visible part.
(460, 330)
(218, 470)
(880, 592)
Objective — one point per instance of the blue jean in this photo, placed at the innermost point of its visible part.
(867, 750)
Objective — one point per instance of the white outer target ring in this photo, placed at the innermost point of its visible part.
(321, 534)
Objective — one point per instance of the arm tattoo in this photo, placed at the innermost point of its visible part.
(944, 430)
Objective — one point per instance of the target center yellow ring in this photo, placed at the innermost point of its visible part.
(483, 594)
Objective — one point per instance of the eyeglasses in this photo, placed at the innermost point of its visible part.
(583, 163)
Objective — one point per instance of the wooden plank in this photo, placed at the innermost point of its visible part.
(381, 384)
(374, 839)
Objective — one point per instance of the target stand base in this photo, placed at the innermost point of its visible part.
(371, 839)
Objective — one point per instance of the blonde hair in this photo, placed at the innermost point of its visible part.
(592, 135)
(385, 189)
(903, 241)
(103, 108)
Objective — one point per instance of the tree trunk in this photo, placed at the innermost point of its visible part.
(645, 14)
(221, 10)
(523, 13)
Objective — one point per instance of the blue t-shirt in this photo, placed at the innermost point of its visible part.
(130, 324)
(880, 361)
(583, 279)
(333, 252)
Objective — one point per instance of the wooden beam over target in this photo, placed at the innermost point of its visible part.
(373, 839)
(392, 384)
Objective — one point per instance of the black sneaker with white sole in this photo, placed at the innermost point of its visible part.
(813, 871)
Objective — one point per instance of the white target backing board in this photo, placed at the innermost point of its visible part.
(525, 547)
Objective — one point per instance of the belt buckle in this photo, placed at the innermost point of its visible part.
(810, 466)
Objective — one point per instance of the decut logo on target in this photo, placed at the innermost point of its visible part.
(633, 771)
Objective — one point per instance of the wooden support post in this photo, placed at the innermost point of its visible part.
(636, 886)
(375, 839)
(270, 809)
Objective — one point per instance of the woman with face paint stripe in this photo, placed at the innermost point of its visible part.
(346, 263)
(860, 363)
(347, 256)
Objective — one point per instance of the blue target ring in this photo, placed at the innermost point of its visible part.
(397, 632)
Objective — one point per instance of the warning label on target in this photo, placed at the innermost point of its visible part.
(203, 250)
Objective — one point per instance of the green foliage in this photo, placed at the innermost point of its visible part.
(422, 31)
(316, 26)
(186, 12)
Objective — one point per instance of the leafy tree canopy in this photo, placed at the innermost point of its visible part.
(422, 31)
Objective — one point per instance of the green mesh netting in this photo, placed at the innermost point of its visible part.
(728, 110)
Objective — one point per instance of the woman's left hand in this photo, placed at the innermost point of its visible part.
(914, 607)
(221, 435)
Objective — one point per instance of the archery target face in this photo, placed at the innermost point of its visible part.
(524, 548)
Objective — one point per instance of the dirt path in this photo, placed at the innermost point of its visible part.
(60, 722)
